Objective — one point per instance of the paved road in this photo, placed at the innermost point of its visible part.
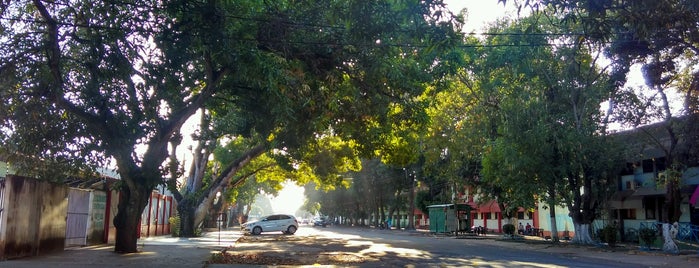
(380, 248)
(438, 251)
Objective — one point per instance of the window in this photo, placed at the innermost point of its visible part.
(628, 170)
(487, 216)
(625, 214)
(520, 215)
(650, 214)
(649, 204)
(660, 164)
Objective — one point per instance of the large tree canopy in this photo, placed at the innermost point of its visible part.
(661, 36)
(113, 82)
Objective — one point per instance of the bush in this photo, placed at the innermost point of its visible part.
(508, 229)
(175, 226)
(647, 236)
(609, 234)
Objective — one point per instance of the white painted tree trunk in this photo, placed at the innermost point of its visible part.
(582, 234)
(507, 221)
(669, 234)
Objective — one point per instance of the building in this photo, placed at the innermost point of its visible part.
(640, 197)
(38, 217)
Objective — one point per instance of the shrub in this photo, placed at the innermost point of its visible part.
(508, 229)
(609, 234)
(647, 235)
(175, 226)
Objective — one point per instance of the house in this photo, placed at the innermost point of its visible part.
(39, 217)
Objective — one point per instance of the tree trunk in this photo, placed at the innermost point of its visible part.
(582, 234)
(507, 220)
(185, 210)
(128, 218)
(411, 212)
(669, 233)
(554, 228)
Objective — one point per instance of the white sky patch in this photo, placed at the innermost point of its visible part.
(481, 12)
(289, 199)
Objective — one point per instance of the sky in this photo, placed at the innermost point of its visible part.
(289, 199)
(480, 12)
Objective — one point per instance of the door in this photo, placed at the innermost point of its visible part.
(77, 218)
(284, 222)
(270, 223)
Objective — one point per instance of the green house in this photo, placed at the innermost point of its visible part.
(448, 218)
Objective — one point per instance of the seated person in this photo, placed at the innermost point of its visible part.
(520, 229)
(529, 229)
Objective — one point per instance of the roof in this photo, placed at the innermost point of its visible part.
(440, 206)
(645, 142)
(466, 207)
(647, 191)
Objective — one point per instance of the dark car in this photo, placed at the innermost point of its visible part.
(320, 222)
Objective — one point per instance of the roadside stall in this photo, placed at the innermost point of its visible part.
(449, 218)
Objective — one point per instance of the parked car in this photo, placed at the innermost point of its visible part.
(320, 222)
(286, 224)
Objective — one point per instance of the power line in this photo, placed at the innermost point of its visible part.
(326, 43)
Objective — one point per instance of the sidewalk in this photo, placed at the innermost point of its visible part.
(162, 251)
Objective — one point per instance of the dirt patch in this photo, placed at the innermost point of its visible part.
(289, 250)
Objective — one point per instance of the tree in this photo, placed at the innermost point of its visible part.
(114, 83)
(313, 112)
(109, 92)
(545, 122)
(663, 37)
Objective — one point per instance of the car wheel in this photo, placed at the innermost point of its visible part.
(291, 230)
(257, 230)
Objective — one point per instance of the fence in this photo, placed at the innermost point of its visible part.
(686, 232)
(155, 219)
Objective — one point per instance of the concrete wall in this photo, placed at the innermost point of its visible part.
(564, 223)
(33, 218)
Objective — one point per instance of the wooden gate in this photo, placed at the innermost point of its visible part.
(77, 218)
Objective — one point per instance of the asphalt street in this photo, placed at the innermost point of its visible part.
(384, 248)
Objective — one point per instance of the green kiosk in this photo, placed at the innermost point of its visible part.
(449, 218)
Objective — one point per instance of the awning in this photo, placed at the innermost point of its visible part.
(648, 191)
(616, 201)
(694, 200)
(621, 195)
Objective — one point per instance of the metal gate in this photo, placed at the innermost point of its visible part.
(78, 216)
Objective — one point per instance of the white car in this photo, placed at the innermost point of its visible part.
(286, 224)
